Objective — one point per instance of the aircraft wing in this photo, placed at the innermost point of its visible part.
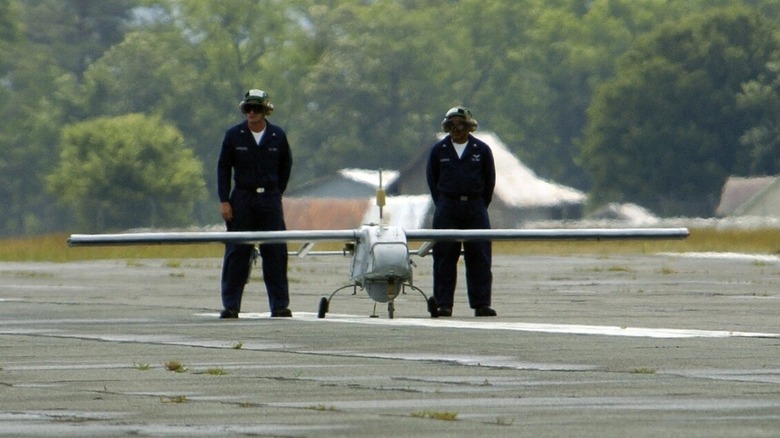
(548, 234)
(430, 235)
(247, 237)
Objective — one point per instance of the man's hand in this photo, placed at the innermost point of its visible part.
(226, 210)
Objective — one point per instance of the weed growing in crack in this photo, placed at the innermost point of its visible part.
(436, 415)
(175, 366)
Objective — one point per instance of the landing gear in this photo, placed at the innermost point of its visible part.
(325, 302)
(433, 308)
(324, 306)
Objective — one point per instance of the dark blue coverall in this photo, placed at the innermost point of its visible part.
(462, 189)
(260, 173)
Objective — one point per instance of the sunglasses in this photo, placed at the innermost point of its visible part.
(455, 126)
(254, 109)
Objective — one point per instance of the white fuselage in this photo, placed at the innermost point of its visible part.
(381, 261)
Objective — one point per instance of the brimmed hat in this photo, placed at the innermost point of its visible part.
(257, 97)
(459, 111)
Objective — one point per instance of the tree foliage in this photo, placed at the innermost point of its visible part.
(665, 132)
(9, 28)
(39, 93)
(74, 33)
(759, 100)
(125, 171)
(578, 90)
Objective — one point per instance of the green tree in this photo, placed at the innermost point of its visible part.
(665, 133)
(377, 93)
(191, 63)
(760, 99)
(10, 30)
(365, 83)
(548, 57)
(127, 171)
(50, 43)
(76, 32)
(572, 47)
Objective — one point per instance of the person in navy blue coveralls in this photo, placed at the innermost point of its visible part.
(252, 173)
(461, 176)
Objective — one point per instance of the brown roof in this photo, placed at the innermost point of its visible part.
(324, 213)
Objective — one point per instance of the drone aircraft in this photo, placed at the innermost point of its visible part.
(381, 258)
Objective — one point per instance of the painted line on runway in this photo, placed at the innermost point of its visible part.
(764, 258)
(655, 403)
(572, 329)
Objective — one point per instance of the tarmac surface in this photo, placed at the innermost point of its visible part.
(649, 345)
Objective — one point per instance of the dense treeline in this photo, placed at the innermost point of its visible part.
(112, 112)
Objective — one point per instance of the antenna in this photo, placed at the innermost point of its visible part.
(380, 196)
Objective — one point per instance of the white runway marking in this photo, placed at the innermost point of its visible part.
(761, 258)
(493, 324)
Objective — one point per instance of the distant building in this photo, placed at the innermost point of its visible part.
(750, 196)
(519, 195)
(347, 199)
(346, 183)
(324, 213)
(628, 214)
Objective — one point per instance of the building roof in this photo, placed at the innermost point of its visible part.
(516, 184)
(333, 202)
(403, 211)
(346, 183)
(738, 191)
(370, 177)
(324, 213)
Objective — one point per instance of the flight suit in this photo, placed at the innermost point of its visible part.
(258, 176)
(462, 189)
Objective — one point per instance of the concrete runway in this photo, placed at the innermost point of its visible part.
(622, 345)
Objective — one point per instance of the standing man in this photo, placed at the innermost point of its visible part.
(461, 177)
(255, 161)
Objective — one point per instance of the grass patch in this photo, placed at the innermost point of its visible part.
(436, 415)
(504, 421)
(30, 274)
(175, 366)
(53, 248)
(753, 241)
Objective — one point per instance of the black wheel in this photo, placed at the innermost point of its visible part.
(433, 309)
(323, 308)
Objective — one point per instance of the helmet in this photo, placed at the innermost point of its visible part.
(257, 97)
(459, 111)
